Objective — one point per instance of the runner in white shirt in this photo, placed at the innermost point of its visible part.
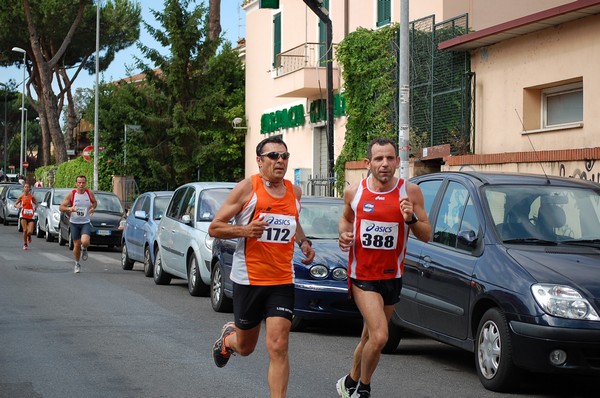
(81, 203)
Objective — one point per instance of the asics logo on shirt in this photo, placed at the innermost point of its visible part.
(277, 221)
(377, 228)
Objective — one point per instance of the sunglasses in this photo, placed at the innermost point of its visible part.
(276, 155)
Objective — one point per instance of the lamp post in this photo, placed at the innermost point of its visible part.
(5, 125)
(25, 139)
(20, 50)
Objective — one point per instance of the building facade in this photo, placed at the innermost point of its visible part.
(528, 97)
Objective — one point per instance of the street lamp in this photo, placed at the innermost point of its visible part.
(20, 50)
(5, 125)
(25, 140)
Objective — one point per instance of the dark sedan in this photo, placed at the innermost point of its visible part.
(512, 274)
(321, 287)
(107, 229)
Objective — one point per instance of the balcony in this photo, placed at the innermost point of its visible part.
(300, 72)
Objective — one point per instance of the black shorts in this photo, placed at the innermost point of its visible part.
(77, 230)
(28, 220)
(252, 304)
(388, 288)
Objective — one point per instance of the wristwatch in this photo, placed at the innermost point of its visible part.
(413, 220)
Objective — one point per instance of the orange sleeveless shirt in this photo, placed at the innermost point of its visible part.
(27, 211)
(267, 261)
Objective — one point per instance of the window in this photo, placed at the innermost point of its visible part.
(562, 105)
(276, 38)
(384, 12)
(450, 218)
(175, 208)
(323, 38)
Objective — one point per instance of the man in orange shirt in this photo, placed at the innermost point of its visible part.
(265, 207)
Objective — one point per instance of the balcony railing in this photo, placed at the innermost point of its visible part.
(306, 55)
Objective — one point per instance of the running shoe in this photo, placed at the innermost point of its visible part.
(25, 247)
(77, 268)
(361, 393)
(221, 354)
(342, 390)
(84, 254)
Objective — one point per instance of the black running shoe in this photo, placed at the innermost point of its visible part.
(221, 354)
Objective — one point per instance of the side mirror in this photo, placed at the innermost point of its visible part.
(186, 219)
(467, 238)
(141, 214)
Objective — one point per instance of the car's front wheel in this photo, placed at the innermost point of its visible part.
(70, 240)
(298, 324)
(394, 338)
(160, 276)
(218, 300)
(148, 266)
(493, 352)
(126, 262)
(196, 286)
(61, 240)
(47, 234)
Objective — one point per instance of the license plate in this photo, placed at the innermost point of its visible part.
(103, 232)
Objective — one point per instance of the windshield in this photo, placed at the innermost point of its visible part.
(320, 220)
(108, 203)
(544, 213)
(160, 205)
(209, 202)
(14, 193)
(39, 195)
(59, 196)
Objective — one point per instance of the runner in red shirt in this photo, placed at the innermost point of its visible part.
(27, 204)
(379, 212)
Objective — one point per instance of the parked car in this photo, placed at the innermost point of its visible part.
(3, 187)
(105, 221)
(10, 194)
(38, 194)
(512, 274)
(139, 236)
(49, 213)
(184, 246)
(321, 288)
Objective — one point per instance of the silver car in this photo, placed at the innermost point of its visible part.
(10, 194)
(184, 246)
(48, 213)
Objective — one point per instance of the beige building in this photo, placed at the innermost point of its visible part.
(530, 61)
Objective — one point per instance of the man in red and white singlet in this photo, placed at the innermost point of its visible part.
(265, 207)
(379, 213)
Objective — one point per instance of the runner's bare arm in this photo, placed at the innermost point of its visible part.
(346, 223)
(220, 226)
(66, 203)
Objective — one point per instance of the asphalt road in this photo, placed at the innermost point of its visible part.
(111, 333)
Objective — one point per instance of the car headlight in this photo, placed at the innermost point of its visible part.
(11, 207)
(319, 271)
(339, 274)
(563, 301)
(56, 217)
(208, 242)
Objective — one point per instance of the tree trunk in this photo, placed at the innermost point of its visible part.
(45, 72)
(214, 19)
